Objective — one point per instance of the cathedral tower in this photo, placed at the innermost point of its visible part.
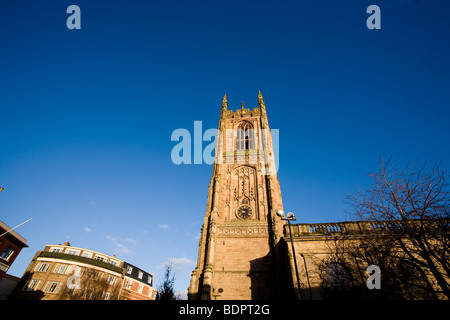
(237, 257)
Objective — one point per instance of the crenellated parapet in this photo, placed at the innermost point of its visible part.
(240, 113)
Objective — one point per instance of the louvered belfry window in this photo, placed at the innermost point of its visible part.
(245, 137)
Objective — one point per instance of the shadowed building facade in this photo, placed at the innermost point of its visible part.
(245, 250)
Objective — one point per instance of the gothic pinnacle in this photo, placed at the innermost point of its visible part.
(224, 101)
(260, 98)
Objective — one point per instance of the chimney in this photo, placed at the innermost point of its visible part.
(67, 243)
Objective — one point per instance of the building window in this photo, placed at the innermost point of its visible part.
(100, 258)
(140, 275)
(150, 279)
(43, 267)
(111, 280)
(70, 269)
(73, 252)
(245, 137)
(140, 287)
(87, 254)
(129, 269)
(94, 274)
(79, 271)
(87, 293)
(128, 284)
(55, 249)
(60, 268)
(31, 285)
(338, 277)
(52, 287)
(114, 262)
(7, 253)
(106, 295)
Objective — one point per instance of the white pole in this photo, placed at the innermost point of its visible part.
(15, 227)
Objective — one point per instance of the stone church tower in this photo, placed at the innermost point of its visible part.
(238, 249)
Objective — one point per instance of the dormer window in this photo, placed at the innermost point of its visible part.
(129, 269)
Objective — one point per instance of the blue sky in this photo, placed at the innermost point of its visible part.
(86, 115)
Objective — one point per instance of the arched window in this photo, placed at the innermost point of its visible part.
(245, 137)
(338, 277)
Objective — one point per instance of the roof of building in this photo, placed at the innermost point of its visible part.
(12, 235)
(135, 271)
(135, 274)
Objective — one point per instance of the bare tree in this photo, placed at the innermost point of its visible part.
(408, 210)
(92, 284)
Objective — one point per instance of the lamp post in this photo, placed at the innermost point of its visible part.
(291, 217)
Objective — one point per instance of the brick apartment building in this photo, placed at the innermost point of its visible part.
(64, 272)
(11, 243)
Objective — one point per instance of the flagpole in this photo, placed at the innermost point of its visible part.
(14, 227)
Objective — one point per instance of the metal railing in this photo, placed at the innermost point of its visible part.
(354, 227)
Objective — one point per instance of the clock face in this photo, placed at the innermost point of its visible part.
(244, 211)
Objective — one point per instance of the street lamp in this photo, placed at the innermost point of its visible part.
(291, 217)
